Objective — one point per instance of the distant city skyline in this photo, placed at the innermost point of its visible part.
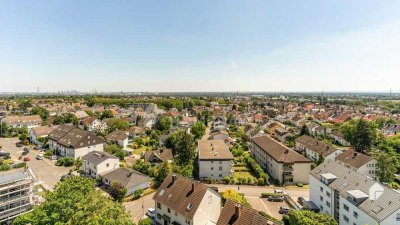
(200, 46)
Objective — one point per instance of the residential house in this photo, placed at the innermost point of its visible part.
(182, 201)
(39, 132)
(236, 214)
(66, 140)
(281, 134)
(128, 178)
(391, 129)
(298, 121)
(135, 132)
(338, 137)
(23, 121)
(314, 148)
(92, 124)
(97, 163)
(281, 162)
(358, 162)
(352, 198)
(118, 137)
(158, 156)
(16, 194)
(80, 114)
(215, 161)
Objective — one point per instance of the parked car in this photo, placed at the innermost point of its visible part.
(25, 153)
(19, 144)
(39, 157)
(53, 157)
(151, 212)
(65, 176)
(275, 198)
(278, 191)
(284, 210)
(27, 159)
(301, 200)
(26, 149)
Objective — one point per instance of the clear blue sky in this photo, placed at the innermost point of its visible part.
(205, 45)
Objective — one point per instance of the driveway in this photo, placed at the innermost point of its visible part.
(45, 170)
(138, 208)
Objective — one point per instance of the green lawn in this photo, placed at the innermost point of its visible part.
(139, 151)
(246, 175)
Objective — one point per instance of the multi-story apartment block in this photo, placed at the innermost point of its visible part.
(314, 148)
(281, 162)
(23, 121)
(358, 162)
(185, 202)
(353, 198)
(16, 194)
(67, 140)
(214, 159)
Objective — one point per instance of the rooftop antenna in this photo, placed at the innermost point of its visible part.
(390, 92)
(37, 91)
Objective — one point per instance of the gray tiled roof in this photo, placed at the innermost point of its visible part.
(348, 180)
(12, 176)
(97, 157)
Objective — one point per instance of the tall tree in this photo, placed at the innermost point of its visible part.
(163, 123)
(162, 172)
(304, 130)
(386, 166)
(361, 134)
(106, 114)
(76, 201)
(182, 145)
(117, 191)
(117, 124)
(198, 130)
(42, 112)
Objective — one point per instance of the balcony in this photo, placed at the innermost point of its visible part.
(16, 184)
(10, 213)
(288, 168)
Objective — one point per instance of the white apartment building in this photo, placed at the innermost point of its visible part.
(281, 162)
(23, 121)
(314, 148)
(214, 159)
(97, 163)
(16, 193)
(67, 140)
(352, 198)
(185, 202)
(358, 162)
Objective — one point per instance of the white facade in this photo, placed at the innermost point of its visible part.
(215, 169)
(207, 213)
(94, 170)
(71, 152)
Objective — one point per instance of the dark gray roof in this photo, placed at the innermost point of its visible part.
(377, 206)
(72, 137)
(12, 176)
(126, 177)
(97, 157)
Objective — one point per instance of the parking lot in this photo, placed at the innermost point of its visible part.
(45, 169)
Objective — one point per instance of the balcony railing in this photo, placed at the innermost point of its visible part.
(288, 168)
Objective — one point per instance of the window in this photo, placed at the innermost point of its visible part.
(212, 168)
(355, 214)
(345, 207)
(187, 221)
(158, 216)
(158, 205)
(220, 162)
(220, 168)
(321, 198)
(397, 216)
(107, 165)
(321, 189)
(328, 204)
(210, 199)
(345, 218)
(220, 175)
(169, 210)
(328, 194)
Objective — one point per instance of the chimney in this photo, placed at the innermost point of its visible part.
(193, 186)
(355, 154)
(161, 150)
(286, 151)
(173, 178)
(238, 210)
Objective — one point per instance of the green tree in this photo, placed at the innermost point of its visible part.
(306, 217)
(182, 145)
(360, 134)
(235, 196)
(117, 191)
(164, 123)
(386, 166)
(42, 112)
(71, 118)
(198, 130)
(162, 172)
(76, 201)
(112, 149)
(106, 114)
(304, 130)
(117, 124)
(78, 163)
(146, 221)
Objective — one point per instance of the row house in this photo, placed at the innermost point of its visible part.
(23, 121)
(314, 148)
(359, 162)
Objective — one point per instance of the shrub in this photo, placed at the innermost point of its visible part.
(300, 185)
(261, 181)
(65, 161)
(227, 179)
(138, 193)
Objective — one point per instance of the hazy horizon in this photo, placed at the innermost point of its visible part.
(201, 46)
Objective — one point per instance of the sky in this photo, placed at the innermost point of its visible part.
(207, 45)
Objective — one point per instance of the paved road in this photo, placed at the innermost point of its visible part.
(206, 135)
(44, 169)
(139, 207)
